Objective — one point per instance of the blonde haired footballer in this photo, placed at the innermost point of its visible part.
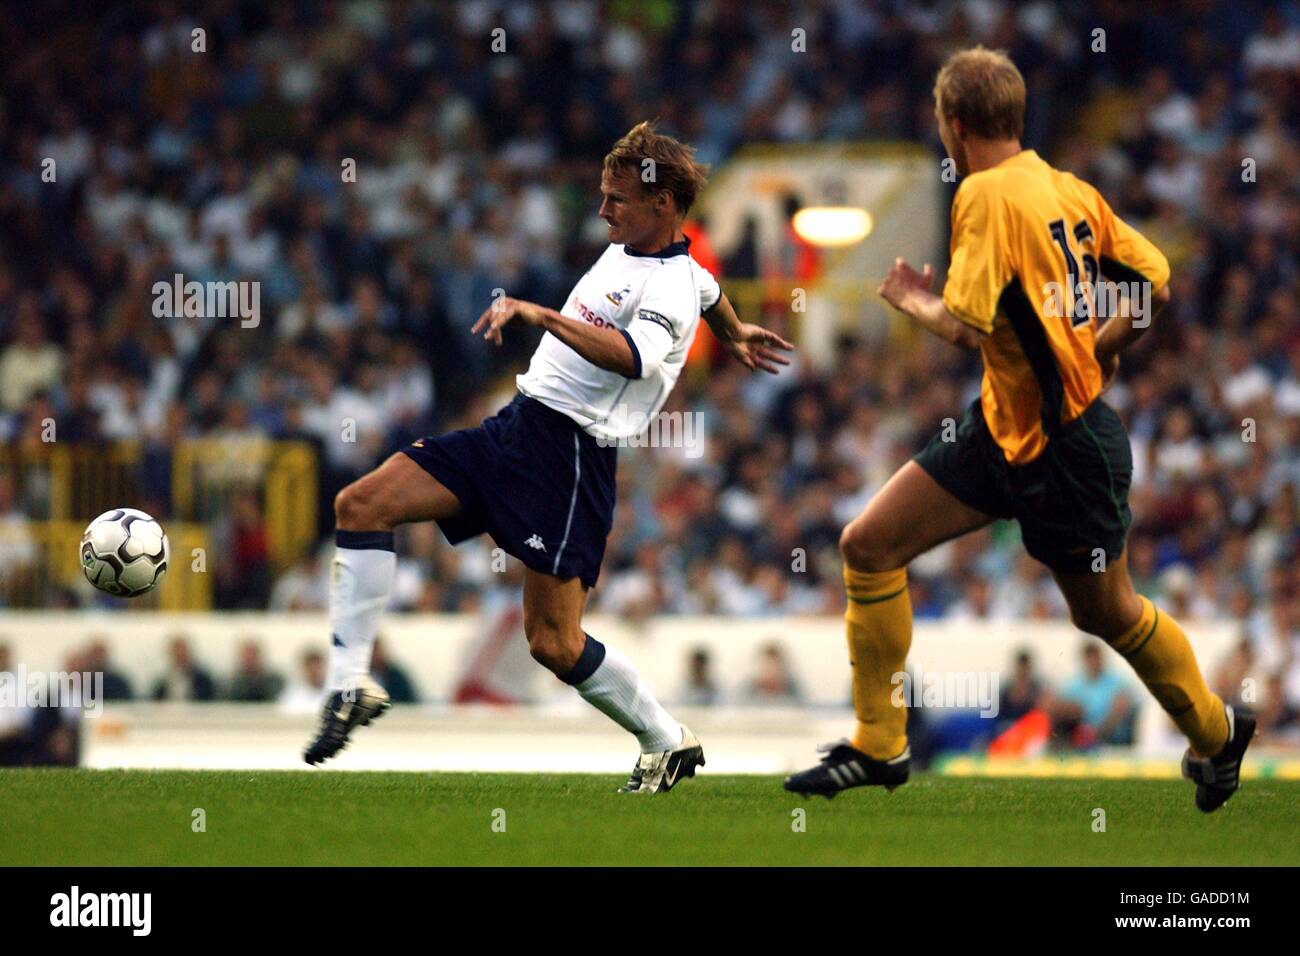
(1032, 250)
(539, 476)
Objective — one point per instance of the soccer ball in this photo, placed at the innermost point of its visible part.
(124, 552)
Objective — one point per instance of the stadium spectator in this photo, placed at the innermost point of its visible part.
(116, 684)
(304, 587)
(637, 592)
(1095, 707)
(15, 718)
(700, 689)
(243, 579)
(18, 553)
(774, 682)
(253, 681)
(40, 733)
(1234, 676)
(1279, 721)
(392, 677)
(976, 602)
(1022, 694)
(184, 678)
(31, 364)
(304, 694)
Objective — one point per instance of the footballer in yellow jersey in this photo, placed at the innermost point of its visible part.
(1030, 246)
(1050, 285)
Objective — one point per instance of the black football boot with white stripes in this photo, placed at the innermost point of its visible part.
(345, 710)
(660, 771)
(1217, 778)
(844, 767)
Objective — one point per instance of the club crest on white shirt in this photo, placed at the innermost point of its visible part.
(656, 303)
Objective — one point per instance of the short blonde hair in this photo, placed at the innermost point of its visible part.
(675, 167)
(984, 90)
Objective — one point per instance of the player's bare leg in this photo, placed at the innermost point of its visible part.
(397, 492)
(366, 512)
(606, 680)
(910, 515)
(1105, 604)
(553, 620)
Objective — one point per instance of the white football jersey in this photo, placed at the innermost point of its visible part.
(655, 300)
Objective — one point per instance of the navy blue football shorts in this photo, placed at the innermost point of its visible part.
(533, 480)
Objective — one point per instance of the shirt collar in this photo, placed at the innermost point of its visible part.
(667, 252)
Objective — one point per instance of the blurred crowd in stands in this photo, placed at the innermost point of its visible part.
(477, 170)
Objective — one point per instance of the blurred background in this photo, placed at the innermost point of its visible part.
(380, 168)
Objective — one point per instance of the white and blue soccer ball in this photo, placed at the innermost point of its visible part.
(124, 552)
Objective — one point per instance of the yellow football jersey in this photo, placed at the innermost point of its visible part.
(1029, 244)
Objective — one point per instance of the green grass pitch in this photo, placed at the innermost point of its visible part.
(108, 817)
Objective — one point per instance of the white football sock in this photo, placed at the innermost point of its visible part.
(360, 582)
(617, 690)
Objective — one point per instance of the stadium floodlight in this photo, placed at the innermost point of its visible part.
(832, 225)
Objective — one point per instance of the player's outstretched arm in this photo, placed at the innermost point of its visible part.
(909, 291)
(751, 345)
(607, 348)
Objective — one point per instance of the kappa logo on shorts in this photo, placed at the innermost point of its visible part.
(418, 443)
(535, 542)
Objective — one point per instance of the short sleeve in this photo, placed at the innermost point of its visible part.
(651, 338)
(707, 286)
(1128, 256)
(668, 309)
(979, 267)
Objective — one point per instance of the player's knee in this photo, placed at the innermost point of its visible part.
(1098, 620)
(355, 509)
(548, 642)
(1107, 615)
(547, 653)
(863, 548)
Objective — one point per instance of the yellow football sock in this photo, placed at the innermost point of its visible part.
(1159, 652)
(879, 625)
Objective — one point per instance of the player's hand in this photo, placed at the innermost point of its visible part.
(902, 281)
(753, 347)
(502, 312)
